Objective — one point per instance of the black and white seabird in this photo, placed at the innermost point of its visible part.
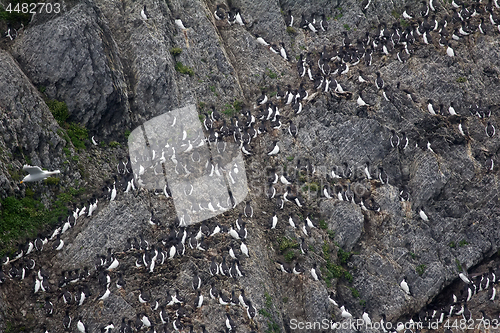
(361, 78)
(394, 139)
(289, 19)
(311, 23)
(238, 18)
(366, 317)
(404, 286)
(274, 149)
(196, 283)
(331, 299)
(283, 52)
(244, 249)
(230, 323)
(315, 272)
(231, 16)
(430, 107)
(451, 109)
(407, 14)
(67, 321)
(219, 13)
(80, 325)
(58, 244)
(323, 23)
(422, 214)
(178, 22)
(404, 141)
(261, 40)
(379, 82)
(382, 176)
(144, 13)
(345, 313)
(292, 129)
(297, 270)
(365, 4)
(144, 296)
(199, 300)
(490, 164)
(248, 211)
(262, 98)
(490, 130)
(360, 101)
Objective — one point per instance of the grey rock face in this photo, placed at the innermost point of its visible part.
(27, 128)
(80, 53)
(346, 222)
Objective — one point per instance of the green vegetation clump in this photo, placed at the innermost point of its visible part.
(77, 134)
(323, 225)
(271, 74)
(290, 158)
(404, 23)
(114, 144)
(331, 234)
(314, 187)
(420, 269)
(127, 134)
(459, 266)
(452, 244)
(29, 192)
(462, 243)
(343, 256)
(15, 14)
(395, 14)
(461, 79)
(183, 69)
(59, 110)
(175, 51)
(238, 105)
(291, 30)
(229, 110)
(272, 326)
(20, 218)
(346, 27)
(286, 243)
(331, 270)
(51, 181)
(289, 256)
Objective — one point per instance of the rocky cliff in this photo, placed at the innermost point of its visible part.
(115, 69)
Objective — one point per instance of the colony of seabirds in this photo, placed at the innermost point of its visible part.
(323, 74)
